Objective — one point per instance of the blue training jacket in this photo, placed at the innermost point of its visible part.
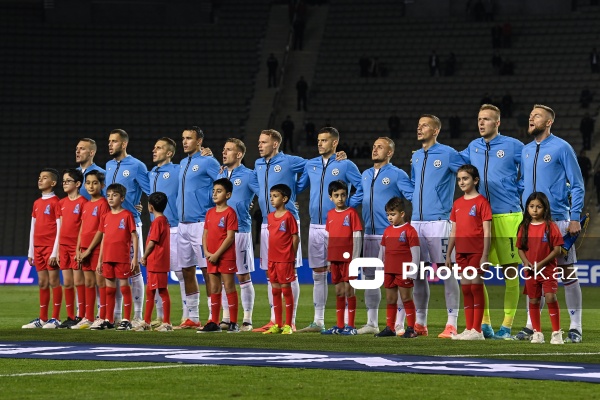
(166, 179)
(245, 187)
(546, 168)
(196, 176)
(281, 168)
(133, 174)
(376, 191)
(83, 191)
(498, 162)
(433, 175)
(319, 176)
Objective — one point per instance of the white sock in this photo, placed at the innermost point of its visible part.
(179, 276)
(296, 292)
(192, 301)
(574, 304)
(372, 300)
(137, 292)
(346, 313)
(209, 309)
(158, 305)
(421, 299)
(400, 314)
(225, 305)
(247, 294)
(118, 301)
(452, 292)
(542, 303)
(97, 302)
(320, 296)
(270, 296)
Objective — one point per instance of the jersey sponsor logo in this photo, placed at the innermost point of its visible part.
(122, 224)
(47, 210)
(385, 181)
(237, 182)
(277, 168)
(500, 153)
(195, 168)
(346, 221)
(95, 212)
(473, 211)
(166, 175)
(547, 158)
(335, 172)
(282, 226)
(222, 222)
(126, 173)
(437, 163)
(402, 237)
(76, 210)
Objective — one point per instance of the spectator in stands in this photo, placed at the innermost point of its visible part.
(287, 128)
(585, 164)
(454, 123)
(586, 127)
(299, 25)
(365, 150)
(302, 92)
(486, 99)
(507, 105)
(272, 65)
(450, 64)
(586, 97)
(594, 61)
(394, 125)
(434, 64)
(496, 62)
(365, 63)
(311, 132)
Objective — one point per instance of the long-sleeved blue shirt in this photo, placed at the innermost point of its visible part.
(165, 179)
(133, 174)
(196, 176)
(245, 187)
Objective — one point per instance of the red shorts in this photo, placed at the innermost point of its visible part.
(340, 272)
(66, 255)
(469, 260)
(224, 267)
(111, 270)
(41, 258)
(90, 263)
(392, 281)
(157, 280)
(536, 288)
(282, 272)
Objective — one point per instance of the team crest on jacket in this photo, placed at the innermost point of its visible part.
(402, 237)
(76, 210)
(277, 168)
(385, 181)
(473, 211)
(47, 210)
(437, 163)
(166, 175)
(195, 168)
(335, 172)
(222, 222)
(95, 212)
(282, 226)
(237, 182)
(346, 221)
(500, 153)
(547, 158)
(126, 173)
(545, 238)
(122, 224)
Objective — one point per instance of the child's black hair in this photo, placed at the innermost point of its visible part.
(473, 171)
(159, 201)
(283, 189)
(75, 174)
(117, 188)
(226, 183)
(334, 186)
(395, 204)
(547, 217)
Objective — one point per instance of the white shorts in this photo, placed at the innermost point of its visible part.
(189, 245)
(264, 247)
(371, 248)
(244, 250)
(571, 257)
(433, 238)
(173, 250)
(317, 251)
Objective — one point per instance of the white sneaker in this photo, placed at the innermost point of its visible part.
(557, 337)
(246, 327)
(399, 330)
(96, 324)
(83, 324)
(368, 329)
(156, 323)
(461, 335)
(537, 337)
(52, 323)
(473, 335)
(164, 327)
(34, 324)
(143, 326)
(137, 322)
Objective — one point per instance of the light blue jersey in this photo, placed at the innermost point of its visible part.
(133, 174)
(433, 174)
(281, 168)
(498, 162)
(318, 175)
(547, 167)
(166, 179)
(83, 191)
(196, 176)
(376, 190)
(245, 187)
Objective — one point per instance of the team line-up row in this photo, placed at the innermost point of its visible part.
(497, 174)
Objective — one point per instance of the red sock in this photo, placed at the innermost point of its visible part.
(102, 303)
(289, 304)
(390, 316)
(44, 303)
(411, 312)
(127, 299)
(109, 313)
(534, 314)
(232, 299)
(81, 300)
(166, 301)
(90, 302)
(554, 311)
(149, 304)
(351, 310)
(468, 305)
(340, 309)
(478, 305)
(277, 306)
(57, 301)
(215, 306)
(69, 302)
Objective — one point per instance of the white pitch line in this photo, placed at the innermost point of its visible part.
(516, 354)
(75, 371)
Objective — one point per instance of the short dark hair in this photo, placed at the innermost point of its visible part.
(473, 171)
(283, 189)
(117, 188)
(92, 143)
(226, 183)
(548, 110)
(171, 145)
(331, 130)
(199, 133)
(437, 124)
(122, 134)
(52, 172)
(334, 186)
(394, 204)
(98, 174)
(158, 200)
(75, 174)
